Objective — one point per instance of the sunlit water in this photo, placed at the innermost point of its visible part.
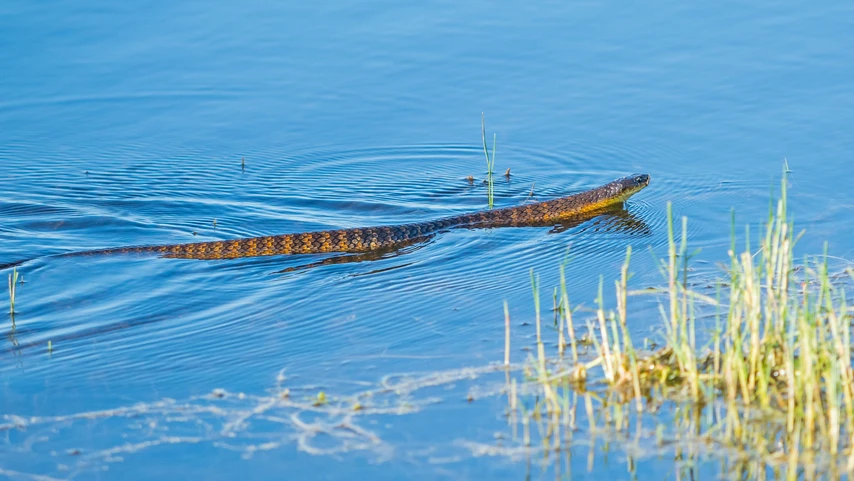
(159, 123)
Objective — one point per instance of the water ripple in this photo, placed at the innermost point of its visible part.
(303, 307)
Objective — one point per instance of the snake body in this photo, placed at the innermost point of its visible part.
(380, 238)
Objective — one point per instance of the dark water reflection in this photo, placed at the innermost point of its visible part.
(127, 124)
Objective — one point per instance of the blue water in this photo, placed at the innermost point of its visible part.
(156, 122)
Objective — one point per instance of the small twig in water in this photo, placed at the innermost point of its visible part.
(531, 194)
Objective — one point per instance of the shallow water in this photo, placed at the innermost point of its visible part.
(161, 123)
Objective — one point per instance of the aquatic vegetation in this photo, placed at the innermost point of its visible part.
(490, 163)
(769, 384)
(286, 415)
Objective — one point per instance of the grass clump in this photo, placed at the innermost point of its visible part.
(770, 383)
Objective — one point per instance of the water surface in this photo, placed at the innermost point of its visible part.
(158, 123)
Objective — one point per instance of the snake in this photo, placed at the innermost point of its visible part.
(384, 238)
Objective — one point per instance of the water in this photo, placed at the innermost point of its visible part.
(127, 124)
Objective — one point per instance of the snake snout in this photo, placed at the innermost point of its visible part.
(641, 179)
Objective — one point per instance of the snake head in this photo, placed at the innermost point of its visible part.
(636, 180)
(622, 189)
